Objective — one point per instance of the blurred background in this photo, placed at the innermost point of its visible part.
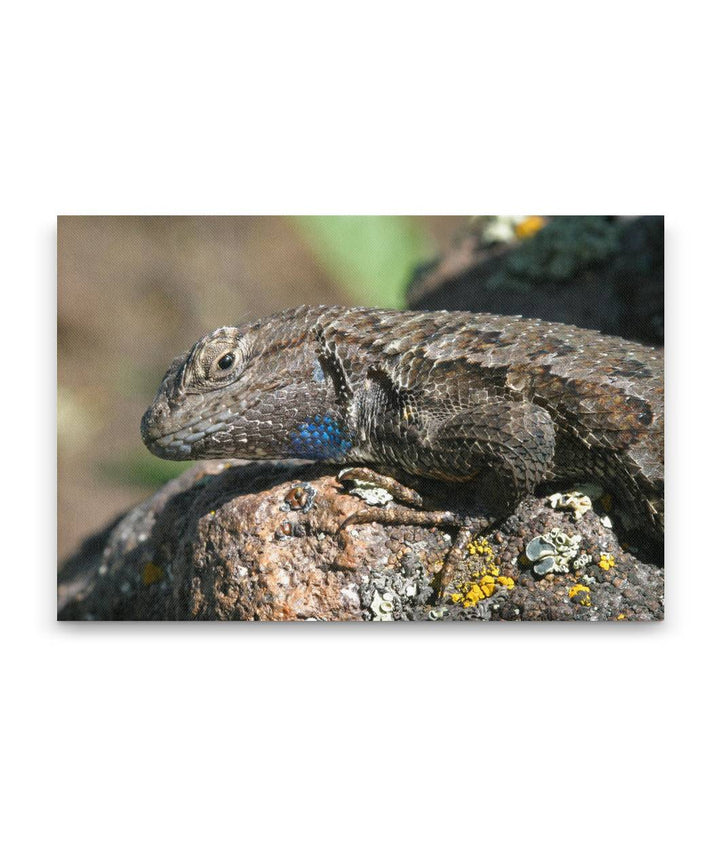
(135, 292)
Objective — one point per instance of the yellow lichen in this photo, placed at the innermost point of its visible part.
(621, 617)
(483, 582)
(580, 594)
(481, 547)
(151, 573)
(528, 227)
(606, 561)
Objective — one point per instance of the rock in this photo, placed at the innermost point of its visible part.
(261, 541)
(601, 273)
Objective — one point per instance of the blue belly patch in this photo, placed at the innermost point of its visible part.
(319, 438)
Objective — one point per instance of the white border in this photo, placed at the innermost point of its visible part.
(353, 739)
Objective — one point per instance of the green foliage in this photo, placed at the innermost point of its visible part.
(143, 469)
(373, 257)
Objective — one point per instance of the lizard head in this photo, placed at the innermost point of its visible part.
(190, 406)
(257, 391)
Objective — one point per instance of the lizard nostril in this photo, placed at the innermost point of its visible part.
(146, 425)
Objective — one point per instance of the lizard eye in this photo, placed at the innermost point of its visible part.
(226, 361)
(215, 361)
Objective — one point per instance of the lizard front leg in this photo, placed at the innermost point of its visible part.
(501, 448)
(465, 526)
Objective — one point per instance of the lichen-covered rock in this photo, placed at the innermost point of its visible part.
(263, 542)
(601, 273)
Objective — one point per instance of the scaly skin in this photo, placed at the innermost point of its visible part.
(500, 403)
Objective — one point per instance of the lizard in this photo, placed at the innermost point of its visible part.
(493, 404)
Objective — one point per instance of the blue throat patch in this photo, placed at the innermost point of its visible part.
(319, 438)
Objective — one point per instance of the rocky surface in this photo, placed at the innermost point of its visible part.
(263, 542)
(601, 273)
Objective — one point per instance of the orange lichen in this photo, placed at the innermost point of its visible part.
(151, 573)
(483, 582)
(580, 594)
(528, 227)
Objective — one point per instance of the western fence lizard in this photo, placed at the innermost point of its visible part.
(500, 404)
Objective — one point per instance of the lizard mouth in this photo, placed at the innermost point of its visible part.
(177, 444)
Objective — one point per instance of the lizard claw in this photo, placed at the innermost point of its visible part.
(398, 491)
(467, 528)
(452, 561)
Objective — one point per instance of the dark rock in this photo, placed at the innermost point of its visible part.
(601, 273)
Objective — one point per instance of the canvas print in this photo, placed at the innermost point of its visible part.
(361, 418)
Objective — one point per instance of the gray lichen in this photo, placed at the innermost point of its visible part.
(575, 501)
(370, 493)
(389, 595)
(553, 552)
(382, 606)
